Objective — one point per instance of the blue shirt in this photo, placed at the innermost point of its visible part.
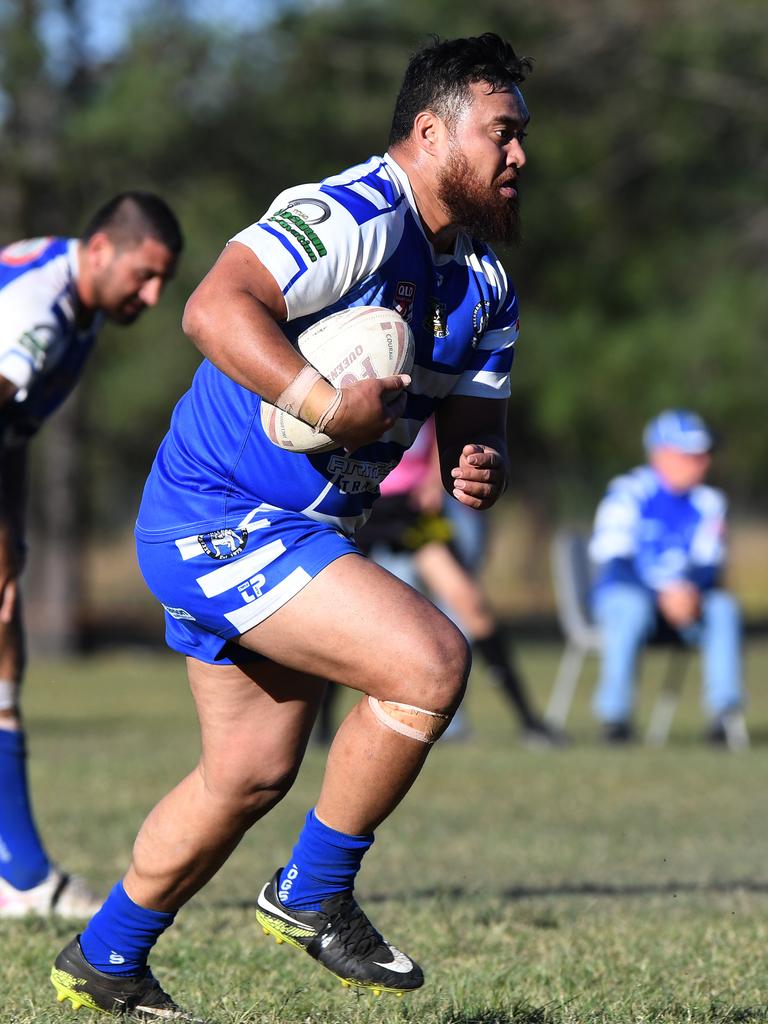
(42, 350)
(354, 239)
(645, 533)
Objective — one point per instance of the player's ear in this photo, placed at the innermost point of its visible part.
(100, 250)
(428, 131)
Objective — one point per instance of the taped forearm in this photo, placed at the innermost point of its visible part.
(311, 398)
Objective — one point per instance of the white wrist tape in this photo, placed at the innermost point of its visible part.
(330, 412)
(407, 720)
(9, 695)
(292, 399)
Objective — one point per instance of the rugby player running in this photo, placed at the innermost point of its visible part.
(250, 547)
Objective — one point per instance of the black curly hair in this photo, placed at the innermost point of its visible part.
(438, 78)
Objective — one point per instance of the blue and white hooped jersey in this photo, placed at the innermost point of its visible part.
(42, 351)
(658, 536)
(354, 239)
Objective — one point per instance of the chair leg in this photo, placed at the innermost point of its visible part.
(669, 697)
(564, 687)
(736, 734)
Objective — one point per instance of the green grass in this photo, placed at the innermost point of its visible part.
(586, 885)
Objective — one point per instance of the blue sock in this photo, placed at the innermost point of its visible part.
(23, 861)
(324, 862)
(120, 935)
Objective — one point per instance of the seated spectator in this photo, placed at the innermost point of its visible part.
(659, 544)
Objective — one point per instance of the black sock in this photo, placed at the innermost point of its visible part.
(499, 664)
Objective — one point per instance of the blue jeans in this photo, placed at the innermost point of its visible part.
(626, 615)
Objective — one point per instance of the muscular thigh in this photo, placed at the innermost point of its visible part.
(298, 593)
(358, 625)
(257, 714)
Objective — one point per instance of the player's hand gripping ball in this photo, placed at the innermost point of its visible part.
(354, 344)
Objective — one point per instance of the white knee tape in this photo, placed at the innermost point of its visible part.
(416, 723)
(9, 695)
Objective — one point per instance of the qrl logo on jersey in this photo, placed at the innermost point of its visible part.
(405, 293)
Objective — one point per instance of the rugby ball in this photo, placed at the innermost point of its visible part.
(354, 344)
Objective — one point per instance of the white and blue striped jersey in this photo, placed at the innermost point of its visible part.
(42, 350)
(648, 534)
(351, 240)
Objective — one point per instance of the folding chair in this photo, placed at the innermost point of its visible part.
(572, 574)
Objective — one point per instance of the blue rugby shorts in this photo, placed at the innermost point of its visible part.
(220, 583)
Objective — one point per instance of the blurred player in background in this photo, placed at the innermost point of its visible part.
(250, 548)
(412, 534)
(54, 296)
(659, 543)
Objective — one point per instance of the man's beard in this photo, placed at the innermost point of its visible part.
(480, 209)
(124, 317)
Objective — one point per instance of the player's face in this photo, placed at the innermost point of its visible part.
(133, 279)
(679, 470)
(478, 183)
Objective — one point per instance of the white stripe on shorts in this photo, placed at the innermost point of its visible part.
(252, 614)
(214, 583)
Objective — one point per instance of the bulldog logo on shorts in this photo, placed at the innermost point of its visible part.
(223, 544)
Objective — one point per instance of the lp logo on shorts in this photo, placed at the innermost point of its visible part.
(251, 589)
(223, 544)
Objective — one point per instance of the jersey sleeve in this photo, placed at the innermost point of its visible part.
(27, 331)
(488, 372)
(314, 248)
(708, 544)
(616, 523)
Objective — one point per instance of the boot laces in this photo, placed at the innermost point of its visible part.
(354, 929)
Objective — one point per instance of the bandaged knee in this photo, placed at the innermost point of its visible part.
(407, 720)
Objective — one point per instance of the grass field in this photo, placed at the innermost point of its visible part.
(585, 885)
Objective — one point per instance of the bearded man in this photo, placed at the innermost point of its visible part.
(55, 295)
(405, 231)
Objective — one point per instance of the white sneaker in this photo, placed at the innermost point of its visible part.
(59, 894)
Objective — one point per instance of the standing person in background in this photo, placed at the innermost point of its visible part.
(250, 548)
(414, 535)
(659, 544)
(54, 296)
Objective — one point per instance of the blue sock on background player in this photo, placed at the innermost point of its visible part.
(324, 862)
(23, 861)
(120, 935)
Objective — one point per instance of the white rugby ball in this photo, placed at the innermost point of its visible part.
(354, 344)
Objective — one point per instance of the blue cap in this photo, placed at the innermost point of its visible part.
(680, 429)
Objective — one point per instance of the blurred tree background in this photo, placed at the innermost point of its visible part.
(642, 273)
